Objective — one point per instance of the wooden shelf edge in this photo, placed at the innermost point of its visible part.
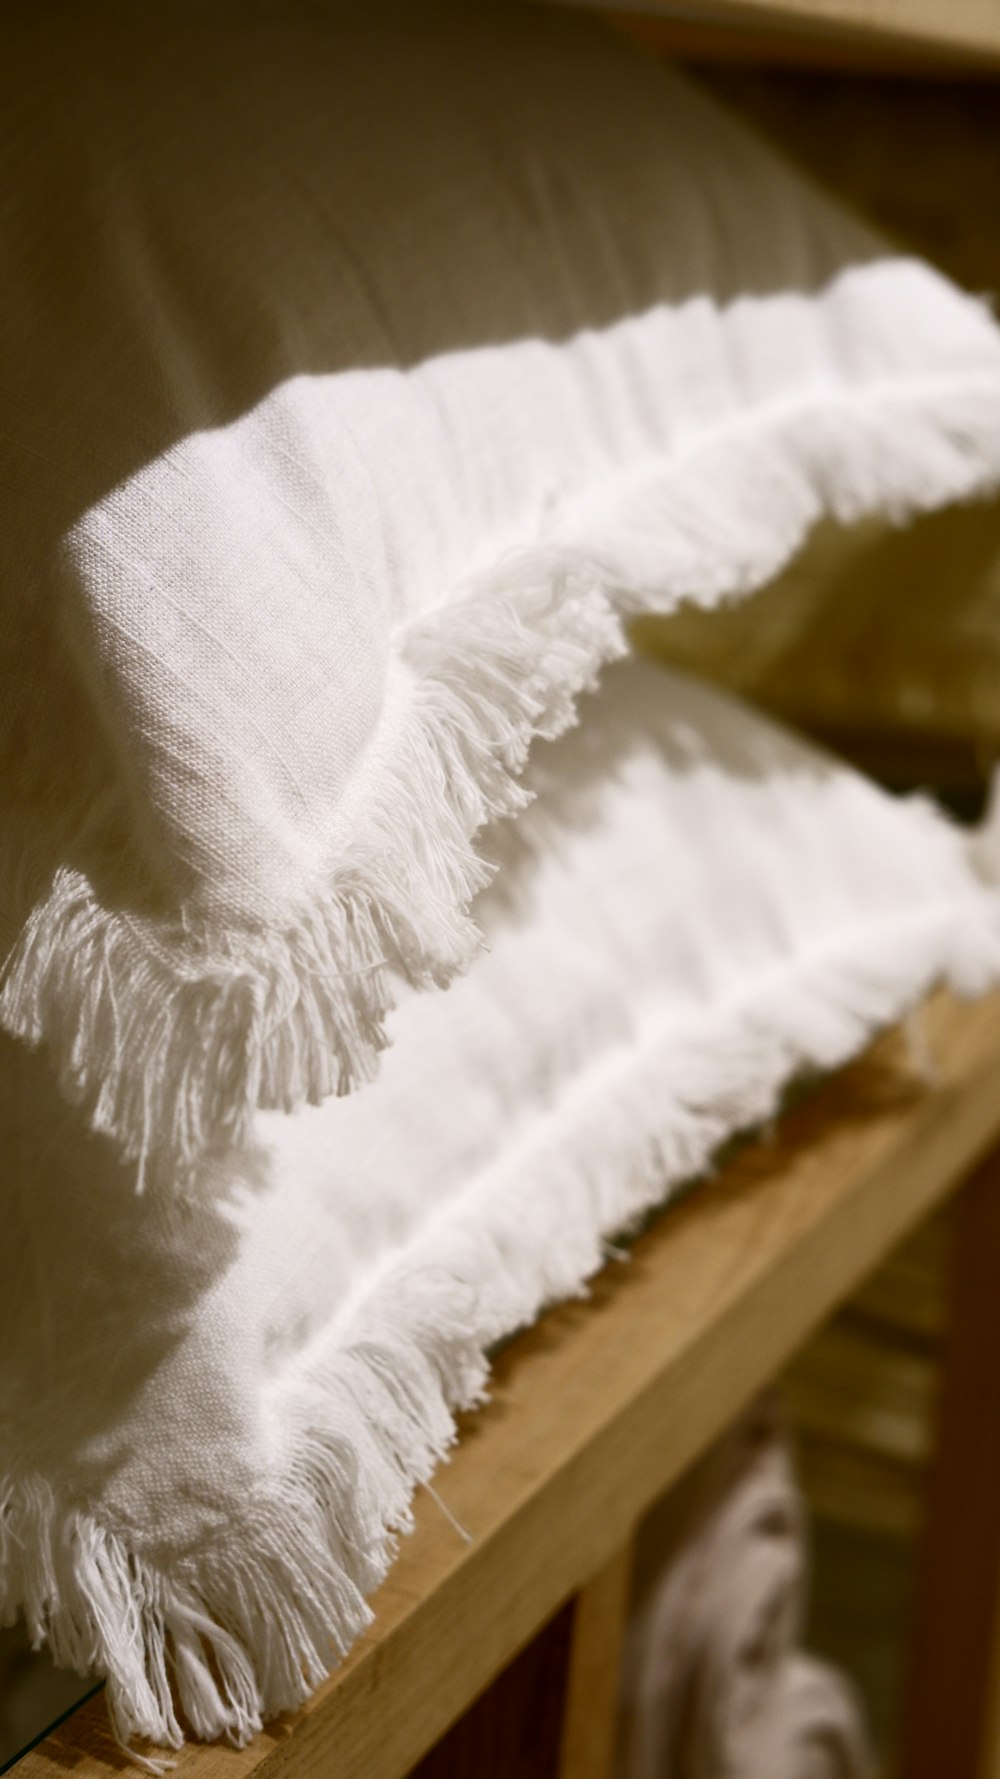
(922, 36)
(602, 1405)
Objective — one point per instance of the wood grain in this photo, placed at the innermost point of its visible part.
(603, 1404)
(590, 1721)
(948, 31)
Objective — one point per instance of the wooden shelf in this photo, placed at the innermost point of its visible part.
(952, 33)
(603, 1404)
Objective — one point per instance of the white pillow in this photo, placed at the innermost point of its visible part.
(214, 1410)
(360, 366)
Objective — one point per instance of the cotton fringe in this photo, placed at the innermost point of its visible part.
(170, 1033)
(238, 1630)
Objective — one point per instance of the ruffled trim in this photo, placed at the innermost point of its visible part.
(171, 1033)
(244, 1626)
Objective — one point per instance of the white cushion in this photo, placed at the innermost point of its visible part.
(360, 367)
(214, 1409)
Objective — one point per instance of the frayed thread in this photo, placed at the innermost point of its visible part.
(171, 1033)
(243, 1627)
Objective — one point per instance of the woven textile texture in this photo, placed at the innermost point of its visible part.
(361, 367)
(215, 1404)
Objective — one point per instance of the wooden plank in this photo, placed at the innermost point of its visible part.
(941, 32)
(603, 1404)
(590, 1721)
(950, 1722)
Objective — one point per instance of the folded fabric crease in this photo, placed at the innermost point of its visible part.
(366, 374)
(171, 1036)
(237, 1630)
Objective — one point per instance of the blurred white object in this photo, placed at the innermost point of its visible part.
(715, 1685)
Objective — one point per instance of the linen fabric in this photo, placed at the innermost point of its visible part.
(715, 1682)
(360, 368)
(215, 1405)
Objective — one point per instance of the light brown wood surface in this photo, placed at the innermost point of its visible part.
(942, 31)
(590, 1718)
(603, 1404)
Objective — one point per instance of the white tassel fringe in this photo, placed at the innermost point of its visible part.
(243, 1627)
(170, 1033)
